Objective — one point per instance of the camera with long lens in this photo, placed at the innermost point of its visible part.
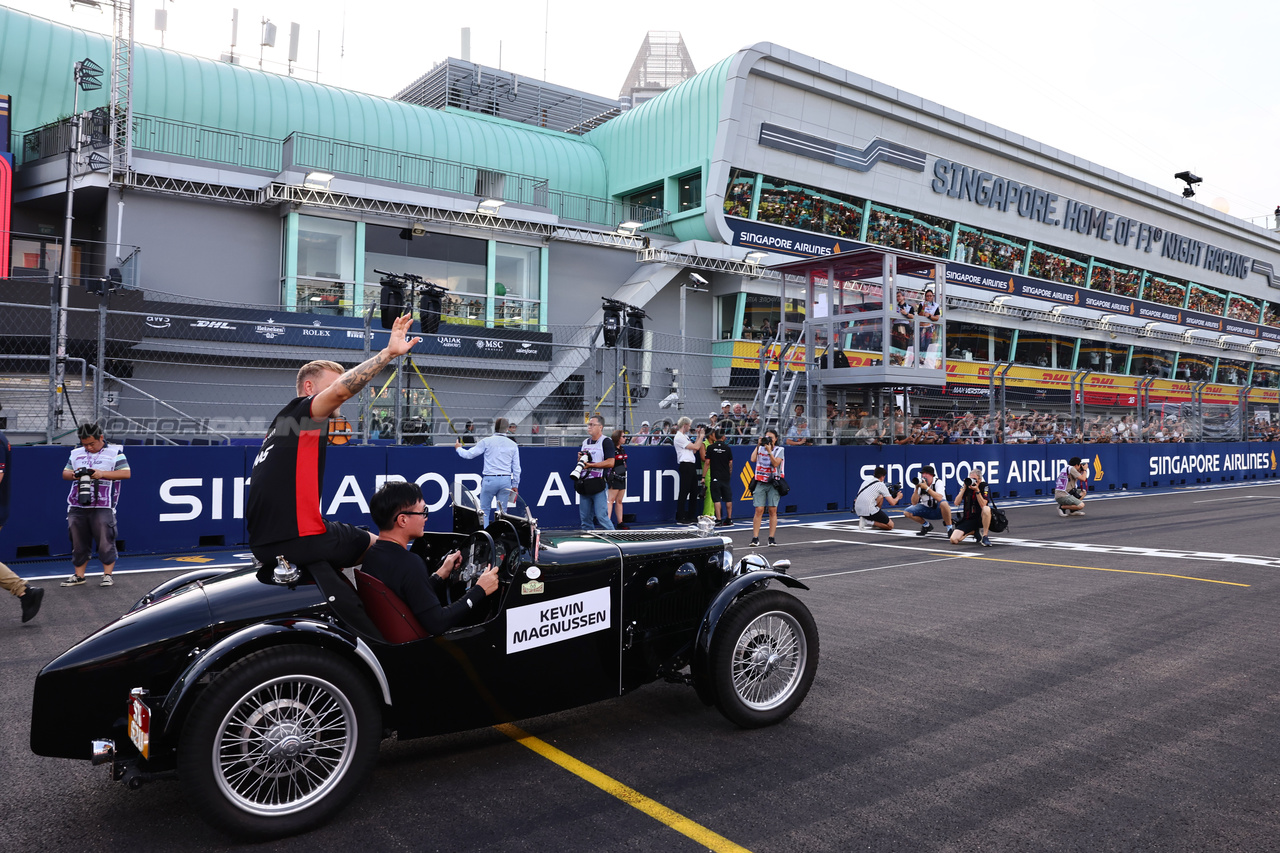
(915, 481)
(84, 486)
(580, 469)
(895, 489)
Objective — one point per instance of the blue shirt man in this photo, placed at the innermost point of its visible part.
(501, 477)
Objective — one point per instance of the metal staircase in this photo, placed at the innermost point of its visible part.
(776, 389)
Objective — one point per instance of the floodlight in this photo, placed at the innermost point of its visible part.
(317, 180)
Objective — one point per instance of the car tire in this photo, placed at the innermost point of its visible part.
(279, 742)
(763, 657)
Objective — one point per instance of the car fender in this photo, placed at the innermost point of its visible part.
(260, 636)
(729, 594)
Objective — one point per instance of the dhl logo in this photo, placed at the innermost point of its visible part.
(1102, 380)
(1056, 377)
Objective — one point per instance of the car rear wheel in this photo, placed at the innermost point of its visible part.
(279, 742)
(763, 658)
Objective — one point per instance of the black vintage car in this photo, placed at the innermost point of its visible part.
(267, 690)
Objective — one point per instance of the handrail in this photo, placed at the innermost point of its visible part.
(154, 399)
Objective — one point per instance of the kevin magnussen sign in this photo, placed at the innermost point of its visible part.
(554, 621)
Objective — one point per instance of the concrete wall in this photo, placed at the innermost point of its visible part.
(207, 250)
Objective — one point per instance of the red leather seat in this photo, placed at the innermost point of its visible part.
(396, 621)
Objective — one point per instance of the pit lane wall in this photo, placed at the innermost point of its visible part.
(187, 498)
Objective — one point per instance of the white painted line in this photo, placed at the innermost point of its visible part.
(877, 568)
(1240, 498)
(189, 567)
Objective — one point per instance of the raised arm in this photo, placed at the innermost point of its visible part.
(353, 381)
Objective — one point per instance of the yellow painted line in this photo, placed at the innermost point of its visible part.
(1097, 569)
(631, 797)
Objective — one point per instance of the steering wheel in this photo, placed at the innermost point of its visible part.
(477, 556)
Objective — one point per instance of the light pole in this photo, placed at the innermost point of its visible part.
(88, 77)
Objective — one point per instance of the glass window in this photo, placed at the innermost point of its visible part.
(1271, 313)
(760, 320)
(1058, 265)
(975, 342)
(517, 278)
(797, 206)
(1151, 362)
(1102, 356)
(41, 259)
(1265, 377)
(1041, 350)
(1115, 279)
(1231, 372)
(326, 248)
(990, 249)
(458, 264)
(690, 191)
(915, 232)
(1165, 290)
(726, 310)
(1207, 300)
(1194, 368)
(737, 198)
(1242, 308)
(650, 197)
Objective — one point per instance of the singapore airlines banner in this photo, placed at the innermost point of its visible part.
(182, 498)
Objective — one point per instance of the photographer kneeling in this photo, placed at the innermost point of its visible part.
(976, 518)
(928, 502)
(1068, 491)
(869, 504)
(767, 460)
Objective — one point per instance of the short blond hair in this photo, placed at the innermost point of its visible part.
(312, 369)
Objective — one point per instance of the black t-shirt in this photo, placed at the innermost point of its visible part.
(404, 573)
(971, 507)
(720, 455)
(6, 470)
(288, 473)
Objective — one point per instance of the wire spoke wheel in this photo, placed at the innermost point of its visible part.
(279, 741)
(764, 654)
(768, 659)
(284, 745)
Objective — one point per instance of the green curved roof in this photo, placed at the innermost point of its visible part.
(665, 136)
(36, 58)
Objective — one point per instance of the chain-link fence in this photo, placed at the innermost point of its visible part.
(161, 368)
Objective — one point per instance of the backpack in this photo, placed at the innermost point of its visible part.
(999, 521)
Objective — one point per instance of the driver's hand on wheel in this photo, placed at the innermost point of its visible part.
(451, 561)
(489, 580)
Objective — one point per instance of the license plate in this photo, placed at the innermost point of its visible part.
(140, 726)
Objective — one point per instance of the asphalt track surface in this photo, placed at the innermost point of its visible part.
(1101, 683)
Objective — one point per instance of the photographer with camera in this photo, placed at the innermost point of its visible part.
(768, 460)
(595, 458)
(975, 520)
(1069, 490)
(688, 508)
(95, 469)
(928, 501)
(870, 501)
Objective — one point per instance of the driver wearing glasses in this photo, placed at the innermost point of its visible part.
(400, 514)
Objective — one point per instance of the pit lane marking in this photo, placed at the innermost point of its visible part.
(630, 796)
(1099, 569)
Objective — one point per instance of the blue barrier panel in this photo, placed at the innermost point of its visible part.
(180, 497)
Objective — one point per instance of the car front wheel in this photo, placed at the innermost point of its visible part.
(279, 742)
(763, 658)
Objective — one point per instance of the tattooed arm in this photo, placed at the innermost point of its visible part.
(350, 383)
